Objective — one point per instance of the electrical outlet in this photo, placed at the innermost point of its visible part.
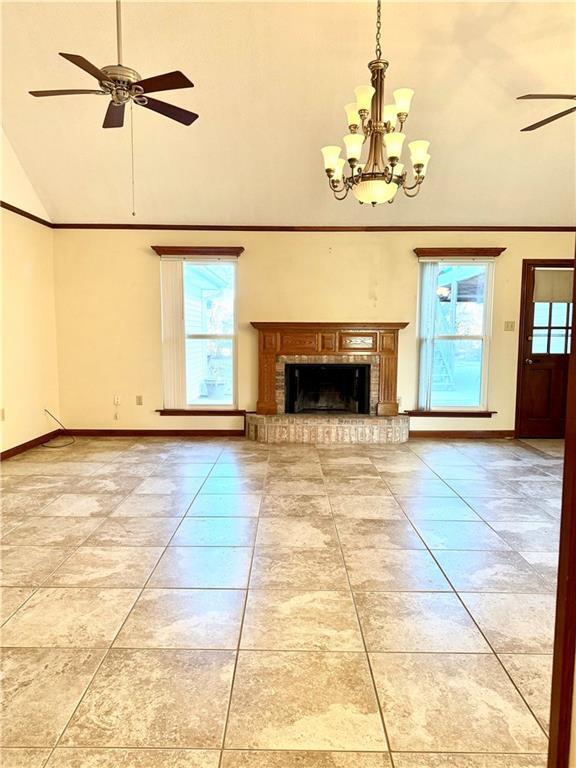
(116, 399)
(509, 325)
(116, 417)
(139, 400)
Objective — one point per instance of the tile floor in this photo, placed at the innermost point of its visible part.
(222, 604)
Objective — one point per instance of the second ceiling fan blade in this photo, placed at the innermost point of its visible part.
(547, 96)
(84, 64)
(62, 93)
(114, 116)
(169, 110)
(549, 119)
(167, 82)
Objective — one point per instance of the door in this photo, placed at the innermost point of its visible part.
(544, 348)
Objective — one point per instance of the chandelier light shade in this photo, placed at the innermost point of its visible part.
(376, 178)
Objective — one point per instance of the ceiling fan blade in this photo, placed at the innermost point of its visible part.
(84, 64)
(114, 116)
(62, 93)
(549, 119)
(169, 110)
(170, 81)
(547, 96)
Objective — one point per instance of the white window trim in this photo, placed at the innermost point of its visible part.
(174, 335)
(486, 338)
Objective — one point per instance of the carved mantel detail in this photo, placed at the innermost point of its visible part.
(333, 340)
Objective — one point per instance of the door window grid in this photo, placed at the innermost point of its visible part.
(552, 328)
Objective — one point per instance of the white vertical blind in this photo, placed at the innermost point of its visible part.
(173, 353)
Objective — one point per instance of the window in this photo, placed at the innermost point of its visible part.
(455, 308)
(199, 333)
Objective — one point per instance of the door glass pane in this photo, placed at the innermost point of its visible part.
(209, 298)
(559, 313)
(541, 313)
(209, 372)
(457, 373)
(558, 341)
(540, 342)
(460, 300)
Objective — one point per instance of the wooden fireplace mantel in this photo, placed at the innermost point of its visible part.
(328, 339)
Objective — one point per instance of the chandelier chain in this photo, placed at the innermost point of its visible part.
(378, 29)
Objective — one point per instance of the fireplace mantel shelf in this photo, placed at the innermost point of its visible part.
(325, 342)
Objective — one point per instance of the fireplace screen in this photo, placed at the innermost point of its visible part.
(333, 387)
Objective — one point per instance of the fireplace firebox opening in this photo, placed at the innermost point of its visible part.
(336, 387)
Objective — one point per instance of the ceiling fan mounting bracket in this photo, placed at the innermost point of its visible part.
(120, 74)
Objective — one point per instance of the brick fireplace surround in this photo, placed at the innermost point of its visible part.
(375, 344)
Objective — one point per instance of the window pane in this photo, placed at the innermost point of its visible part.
(540, 342)
(460, 300)
(557, 341)
(209, 372)
(541, 313)
(559, 316)
(457, 373)
(209, 298)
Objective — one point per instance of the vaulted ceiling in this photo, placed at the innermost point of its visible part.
(271, 79)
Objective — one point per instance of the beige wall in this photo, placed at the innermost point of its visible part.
(15, 186)
(29, 358)
(108, 310)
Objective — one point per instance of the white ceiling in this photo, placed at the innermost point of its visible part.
(271, 80)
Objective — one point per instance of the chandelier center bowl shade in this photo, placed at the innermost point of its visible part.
(376, 177)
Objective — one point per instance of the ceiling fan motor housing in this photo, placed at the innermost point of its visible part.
(120, 83)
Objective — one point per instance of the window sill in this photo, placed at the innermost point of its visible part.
(199, 412)
(453, 414)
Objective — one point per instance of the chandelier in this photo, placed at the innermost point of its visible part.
(370, 120)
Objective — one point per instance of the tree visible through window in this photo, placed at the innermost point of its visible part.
(454, 334)
(209, 327)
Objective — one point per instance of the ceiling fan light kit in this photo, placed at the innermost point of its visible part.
(124, 85)
(370, 120)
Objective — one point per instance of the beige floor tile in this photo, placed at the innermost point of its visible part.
(297, 620)
(146, 698)
(490, 571)
(355, 471)
(134, 532)
(53, 531)
(536, 537)
(537, 489)
(378, 534)
(291, 700)
(34, 484)
(23, 758)
(203, 568)
(533, 676)
(369, 486)
(8, 524)
(106, 567)
(517, 623)
(366, 507)
(510, 510)
(451, 534)
(83, 505)
(403, 570)
(140, 469)
(267, 759)
(234, 485)
(29, 566)
(295, 506)
(74, 468)
(119, 484)
(184, 618)
(239, 470)
(546, 563)
(428, 508)
(470, 761)
(134, 758)
(215, 532)
(452, 703)
(420, 487)
(169, 485)
(298, 569)
(297, 487)
(417, 622)
(40, 689)
(69, 618)
(154, 505)
(25, 504)
(309, 532)
(12, 598)
(225, 505)
(182, 469)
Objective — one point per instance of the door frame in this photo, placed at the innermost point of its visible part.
(564, 660)
(527, 265)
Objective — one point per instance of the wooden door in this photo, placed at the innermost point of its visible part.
(544, 348)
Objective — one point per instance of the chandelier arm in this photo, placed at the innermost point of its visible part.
(415, 193)
(340, 195)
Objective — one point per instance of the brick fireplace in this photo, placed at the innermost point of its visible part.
(336, 408)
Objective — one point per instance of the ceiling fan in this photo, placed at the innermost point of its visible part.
(125, 85)
(557, 116)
